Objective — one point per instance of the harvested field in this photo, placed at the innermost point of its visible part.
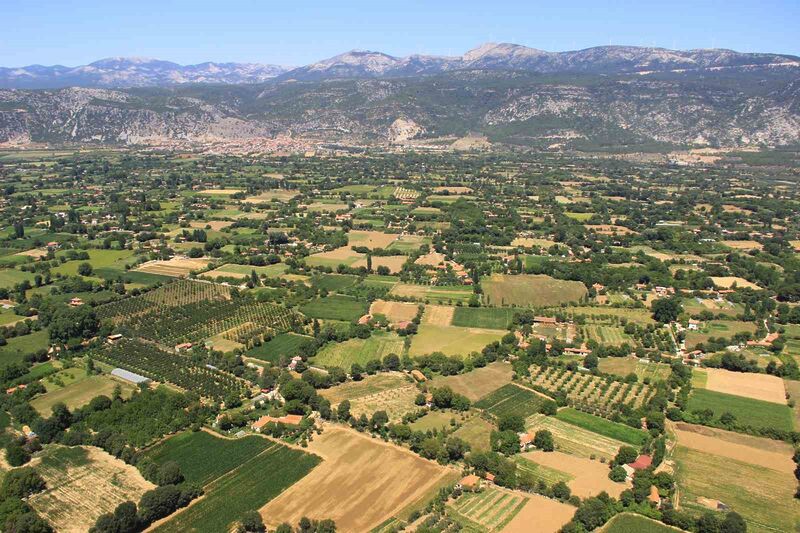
(757, 386)
(622, 366)
(477, 432)
(743, 245)
(370, 239)
(530, 242)
(573, 439)
(393, 262)
(452, 340)
(490, 509)
(83, 483)
(80, 393)
(360, 484)
(764, 497)
(176, 267)
(440, 294)
(793, 389)
(589, 478)
(219, 192)
(391, 392)
(766, 453)
(726, 282)
(530, 290)
(333, 258)
(36, 253)
(478, 383)
(540, 514)
(215, 225)
(438, 315)
(634, 523)
(361, 351)
(394, 311)
(282, 195)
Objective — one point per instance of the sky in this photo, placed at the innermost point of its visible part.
(298, 32)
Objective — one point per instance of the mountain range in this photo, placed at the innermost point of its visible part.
(514, 95)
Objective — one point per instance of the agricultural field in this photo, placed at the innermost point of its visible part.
(390, 392)
(540, 514)
(719, 329)
(530, 290)
(177, 267)
(483, 317)
(476, 432)
(249, 486)
(756, 386)
(394, 311)
(333, 258)
(756, 413)
(282, 346)
(478, 383)
(452, 340)
(204, 457)
(437, 294)
(597, 394)
(80, 393)
(601, 426)
(18, 347)
(83, 483)
(586, 478)
(243, 272)
(488, 510)
(634, 523)
(605, 334)
(623, 366)
(345, 354)
(358, 495)
(764, 497)
(511, 400)
(435, 420)
(335, 307)
(575, 440)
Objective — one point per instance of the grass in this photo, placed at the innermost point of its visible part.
(622, 366)
(530, 290)
(477, 383)
(437, 420)
(344, 354)
(333, 282)
(748, 411)
(604, 334)
(101, 259)
(335, 307)
(18, 347)
(441, 294)
(602, 426)
(764, 497)
(483, 317)
(247, 488)
(10, 277)
(204, 457)
(79, 393)
(632, 523)
(284, 345)
(511, 400)
(476, 432)
(452, 340)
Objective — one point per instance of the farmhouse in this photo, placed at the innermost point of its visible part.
(642, 462)
(582, 351)
(525, 441)
(549, 320)
(418, 375)
(694, 325)
(289, 420)
(76, 302)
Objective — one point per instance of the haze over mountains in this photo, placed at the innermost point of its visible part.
(514, 95)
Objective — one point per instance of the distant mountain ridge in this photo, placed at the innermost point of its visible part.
(362, 64)
(127, 72)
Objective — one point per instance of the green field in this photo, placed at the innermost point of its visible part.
(530, 290)
(10, 277)
(437, 420)
(511, 400)
(488, 510)
(204, 457)
(756, 413)
(344, 354)
(441, 294)
(632, 523)
(102, 259)
(333, 282)
(622, 366)
(604, 334)
(285, 345)
(602, 426)
(79, 393)
(476, 432)
(483, 317)
(247, 488)
(335, 307)
(18, 347)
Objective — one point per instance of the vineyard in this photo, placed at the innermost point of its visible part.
(188, 311)
(159, 365)
(593, 394)
(511, 400)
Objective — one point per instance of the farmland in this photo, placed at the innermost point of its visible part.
(612, 430)
(756, 413)
(248, 487)
(633, 523)
(283, 345)
(478, 383)
(204, 457)
(623, 366)
(586, 478)
(529, 290)
(451, 340)
(392, 393)
(335, 307)
(360, 351)
(80, 393)
(575, 440)
(357, 495)
(511, 400)
(483, 317)
(491, 509)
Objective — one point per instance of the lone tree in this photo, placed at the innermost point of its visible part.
(544, 440)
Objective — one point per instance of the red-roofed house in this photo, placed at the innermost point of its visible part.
(641, 462)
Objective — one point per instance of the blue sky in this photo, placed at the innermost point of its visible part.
(303, 31)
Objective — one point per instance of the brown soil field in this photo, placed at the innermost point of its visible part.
(431, 259)
(541, 515)
(478, 383)
(608, 229)
(529, 242)
(589, 477)
(215, 225)
(438, 315)
(758, 451)
(77, 494)
(726, 282)
(389, 392)
(453, 190)
(370, 239)
(283, 195)
(750, 385)
(220, 192)
(743, 245)
(360, 483)
(35, 253)
(393, 262)
(175, 267)
(394, 311)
